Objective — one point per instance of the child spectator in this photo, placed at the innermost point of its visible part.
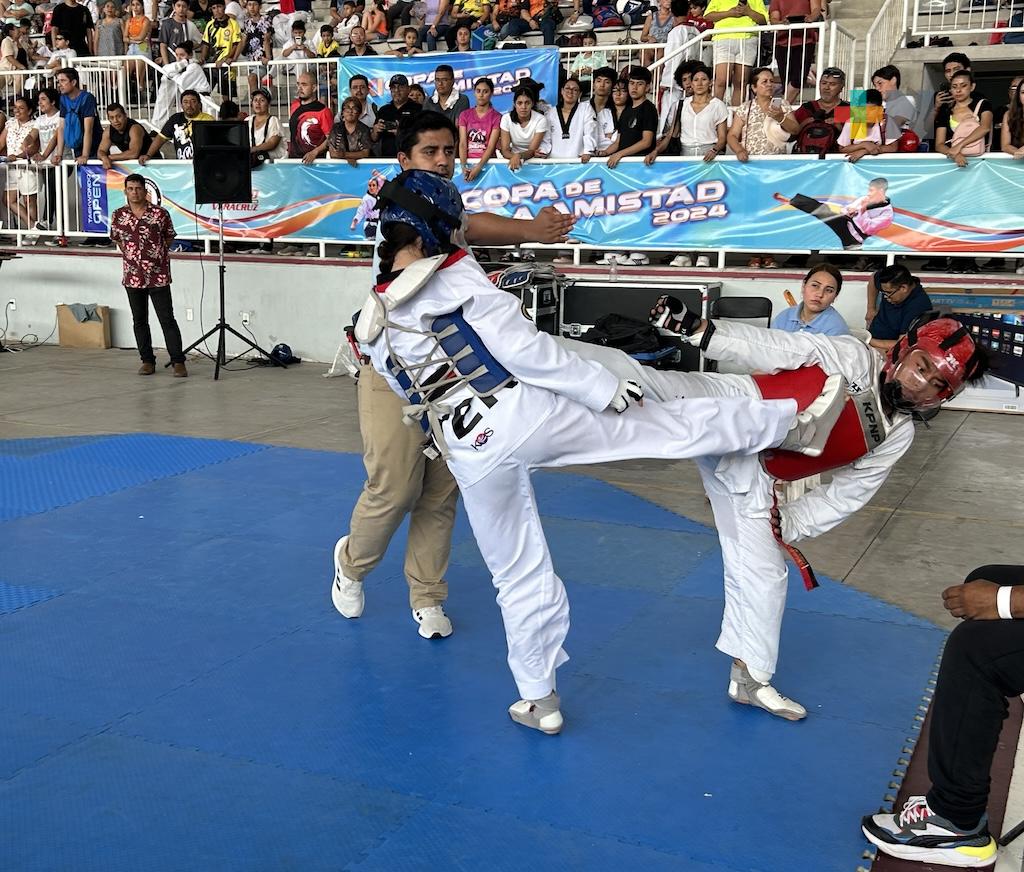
(327, 45)
(297, 48)
(876, 137)
(411, 37)
(588, 60)
(417, 94)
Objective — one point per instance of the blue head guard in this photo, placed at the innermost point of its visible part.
(426, 201)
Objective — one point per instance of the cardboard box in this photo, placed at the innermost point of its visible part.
(72, 333)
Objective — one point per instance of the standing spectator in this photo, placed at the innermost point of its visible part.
(359, 89)
(298, 48)
(895, 300)
(222, 38)
(80, 114)
(200, 11)
(761, 126)
(605, 110)
(638, 123)
(880, 137)
(953, 63)
(51, 152)
(391, 116)
(257, 44)
(1013, 123)
(899, 107)
(349, 138)
(819, 130)
(108, 37)
(471, 13)
(178, 129)
(794, 49)
(123, 138)
(345, 20)
(62, 55)
(658, 23)
(962, 128)
(815, 314)
(358, 46)
(74, 21)
(446, 99)
(144, 232)
(266, 141)
(20, 141)
(137, 29)
(479, 131)
(435, 23)
(734, 53)
(698, 123)
(522, 129)
(176, 30)
(310, 122)
(572, 125)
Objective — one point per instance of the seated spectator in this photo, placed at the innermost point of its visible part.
(417, 94)
(222, 38)
(399, 15)
(695, 16)
(359, 88)
(327, 45)
(257, 44)
(62, 55)
(479, 131)
(9, 49)
(178, 129)
(411, 38)
(1012, 134)
(344, 21)
(734, 53)
(585, 62)
(522, 129)
(471, 13)
(819, 130)
(794, 49)
(123, 138)
(27, 52)
(658, 23)
(962, 129)
(876, 137)
(638, 122)
(229, 111)
(463, 38)
(435, 23)
(981, 666)
(358, 45)
(391, 116)
(895, 300)
(298, 48)
(446, 98)
(266, 139)
(898, 106)
(815, 314)
(310, 121)
(349, 138)
(375, 21)
(175, 30)
(572, 125)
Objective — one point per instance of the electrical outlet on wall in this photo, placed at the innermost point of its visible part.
(12, 304)
(245, 317)
(189, 314)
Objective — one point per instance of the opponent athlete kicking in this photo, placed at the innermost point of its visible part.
(498, 399)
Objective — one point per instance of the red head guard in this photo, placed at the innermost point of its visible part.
(948, 345)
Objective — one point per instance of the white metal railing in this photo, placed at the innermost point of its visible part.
(583, 61)
(926, 18)
(885, 36)
(842, 52)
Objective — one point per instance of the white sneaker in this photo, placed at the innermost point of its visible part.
(608, 258)
(346, 594)
(703, 260)
(637, 258)
(434, 623)
(539, 714)
(1020, 270)
(747, 690)
(682, 260)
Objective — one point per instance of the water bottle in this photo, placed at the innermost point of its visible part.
(613, 268)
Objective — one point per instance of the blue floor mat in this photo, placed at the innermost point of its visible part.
(180, 694)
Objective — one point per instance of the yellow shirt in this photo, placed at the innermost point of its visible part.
(736, 20)
(222, 37)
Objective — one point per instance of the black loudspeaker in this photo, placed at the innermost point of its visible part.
(221, 162)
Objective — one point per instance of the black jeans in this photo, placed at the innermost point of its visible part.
(138, 299)
(982, 665)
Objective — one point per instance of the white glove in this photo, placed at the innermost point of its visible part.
(627, 392)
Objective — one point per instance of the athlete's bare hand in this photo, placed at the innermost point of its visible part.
(551, 226)
(973, 601)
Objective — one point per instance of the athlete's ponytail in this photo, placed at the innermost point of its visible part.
(396, 237)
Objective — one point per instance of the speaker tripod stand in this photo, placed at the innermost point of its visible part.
(222, 327)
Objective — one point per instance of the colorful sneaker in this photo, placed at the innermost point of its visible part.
(346, 594)
(434, 623)
(917, 833)
(539, 714)
(747, 690)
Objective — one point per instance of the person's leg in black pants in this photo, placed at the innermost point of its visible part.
(982, 665)
(165, 315)
(138, 299)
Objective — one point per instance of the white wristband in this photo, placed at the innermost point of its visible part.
(1003, 603)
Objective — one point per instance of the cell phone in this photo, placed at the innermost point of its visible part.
(776, 103)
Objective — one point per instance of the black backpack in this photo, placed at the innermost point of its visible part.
(819, 137)
(627, 334)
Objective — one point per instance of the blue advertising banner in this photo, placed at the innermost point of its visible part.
(894, 204)
(504, 68)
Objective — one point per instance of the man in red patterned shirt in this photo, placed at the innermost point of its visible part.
(144, 232)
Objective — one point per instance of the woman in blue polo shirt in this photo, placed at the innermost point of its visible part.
(816, 314)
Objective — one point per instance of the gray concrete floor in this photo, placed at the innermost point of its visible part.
(952, 504)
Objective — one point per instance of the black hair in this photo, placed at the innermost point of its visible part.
(639, 74)
(680, 8)
(357, 77)
(485, 80)
(889, 71)
(754, 73)
(963, 74)
(1015, 117)
(189, 92)
(229, 110)
(27, 100)
(396, 237)
(895, 274)
(829, 268)
(188, 46)
(956, 57)
(113, 106)
(423, 122)
(873, 97)
(520, 91)
(52, 94)
(299, 24)
(606, 73)
(135, 177)
(71, 73)
(416, 86)
(444, 68)
(573, 78)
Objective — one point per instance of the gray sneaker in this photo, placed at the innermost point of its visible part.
(434, 623)
(747, 690)
(539, 714)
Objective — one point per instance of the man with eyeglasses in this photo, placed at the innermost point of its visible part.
(895, 300)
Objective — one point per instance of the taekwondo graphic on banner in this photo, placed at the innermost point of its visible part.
(504, 68)
(897, 204)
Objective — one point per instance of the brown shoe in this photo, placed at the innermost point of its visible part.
(179, 370)
(147, 369)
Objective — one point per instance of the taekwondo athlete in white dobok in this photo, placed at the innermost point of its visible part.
(499, 399)
(929, 365)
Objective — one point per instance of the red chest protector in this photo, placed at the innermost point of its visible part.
(860, 427)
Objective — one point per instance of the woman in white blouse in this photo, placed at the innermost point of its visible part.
(522, 130)
(572, 125)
